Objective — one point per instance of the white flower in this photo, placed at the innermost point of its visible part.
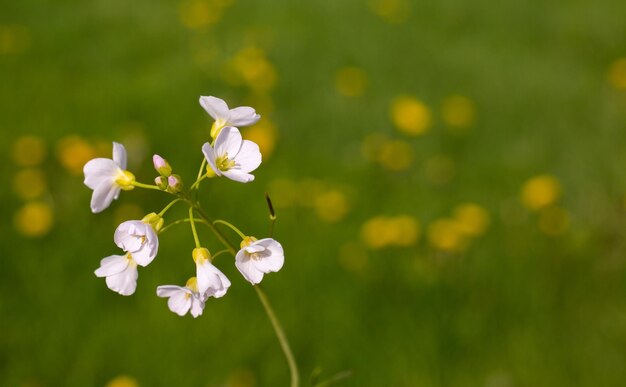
(138, 238)
(223, 116)
(258, 257)
(233, 156)
(106, 177)
(211, 281)
(183, 299)
(120, 272)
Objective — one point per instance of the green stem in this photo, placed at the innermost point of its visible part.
(220, 253)
(282, 338)
(201, 176)
(179, 221)
(164, 210)
(147, 186)
(231, 226)
(193, 227)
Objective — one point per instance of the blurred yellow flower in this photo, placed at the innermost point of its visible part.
(553, 221)
(410, 115)
(471, 219)
(331, 206)
(383, 231)
(264, 134)
(540, 191)
(617, 74)
(446, 235)
(372, 144)
(353, 257)
(14, 39)
(28, 151)
(34, 219)
(241, 378)
(197, 14)
(127, 211)
(458, 111)
(251, 66)
(391, 11)
(73, 153)
(123, 381)
(396, 155)
(350, 81)
(406, 230)
(440, 169)
(29, 183)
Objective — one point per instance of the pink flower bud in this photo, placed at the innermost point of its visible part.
(161, 182)
(161, 165)
(175, 184)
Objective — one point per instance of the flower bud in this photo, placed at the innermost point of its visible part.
(175, 184)
(161, 165)
(154, 220)
(202, 254)
(161, 182)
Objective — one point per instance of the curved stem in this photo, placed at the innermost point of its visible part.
(282, 338)
(179, 221)
(164, 210)
(193, 227)
(201, 176)
(220, 253)
(147, 186)
(231, 226)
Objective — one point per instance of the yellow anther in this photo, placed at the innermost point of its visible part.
(223, 163)
(125, 180)
(201, 254)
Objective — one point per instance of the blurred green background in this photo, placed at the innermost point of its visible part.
(449, 179)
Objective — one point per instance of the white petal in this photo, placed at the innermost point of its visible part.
(125, 282)
(138, 238)
(209, 155)
(98, 170)
(103, 195)
(179, 303)
(126, 236)
(207, 277)
(197, 306)
(254, 248)
(112, 265)
(273, 261)
(169, 290)
(238, 175)
(216, 107)
(249, 157)
(229, 142)
(119, 155)
(243, 116)
(247, 268)
(225, 282)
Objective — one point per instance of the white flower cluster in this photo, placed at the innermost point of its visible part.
(227, 155)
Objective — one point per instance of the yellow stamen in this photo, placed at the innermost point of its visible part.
(125, 180)
(223, 163)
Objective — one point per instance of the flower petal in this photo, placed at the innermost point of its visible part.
(216, 107)
(180, 303)
(98, 170)
(246, 267)
(249, 157)
(112, 265)
(209, 155)
(169, 290)
(229, 142)
(103, 195)
(197, 306)
(238, 175)
(243, 116)
(119, 155)
(275, 260)
(125, 282)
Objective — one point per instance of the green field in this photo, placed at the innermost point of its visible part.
(449, 179)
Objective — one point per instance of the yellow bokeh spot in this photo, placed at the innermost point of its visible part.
(383, 231)
(372, 144)
(73, 153)
(396, 155)
(410, 115)
(127, 211)
(28, 151)
(29, 184)
(554, 221)
(251, 67)
(14, 39)
(34, 219)
(331, 206)
(123, 381)
(391, 11)
(351, 81)
(446, 235)
(264, 134)
(353, 257)
(458, 111)
(540, 191)
(617, 74)
(241, 378)
(471, 219)
(262, 102)
(440, 169)
(198, 14)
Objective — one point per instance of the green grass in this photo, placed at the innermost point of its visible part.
(519, 308)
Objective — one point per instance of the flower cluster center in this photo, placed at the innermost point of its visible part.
(223, 163)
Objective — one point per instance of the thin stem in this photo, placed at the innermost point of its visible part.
(179, 221)
(209, 223)
(197, 183)
(193, 227)
(231, 226)
(164, 210)
(282, 338)
(200, 175)
(337, 378)
(220, 253)
(147, 186)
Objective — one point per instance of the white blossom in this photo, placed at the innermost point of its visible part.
(211, 281)
(138, 238)
(223, 116)
(259, 257)
(233, 156)
(106, 177)
(183, 299)
(120, 272)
